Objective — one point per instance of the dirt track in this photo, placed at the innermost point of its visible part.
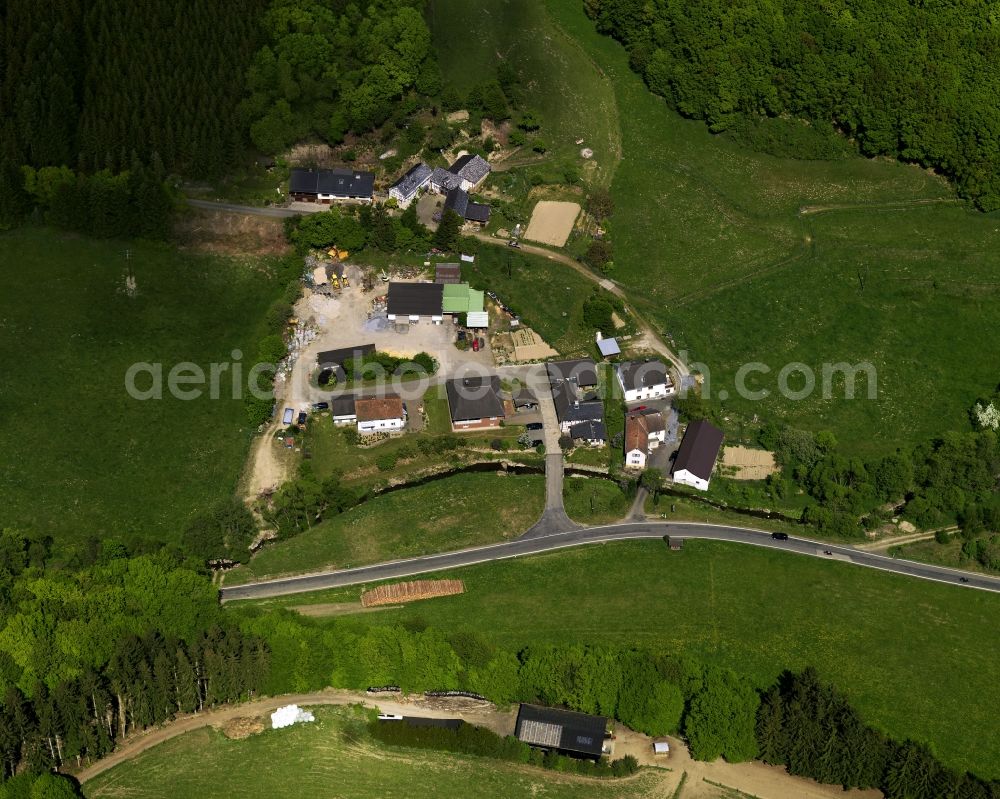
(756, 779)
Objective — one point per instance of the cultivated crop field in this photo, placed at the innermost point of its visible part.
(913, 656)
(741, 256)
(452, 513)
(80, 456)
(333, 757)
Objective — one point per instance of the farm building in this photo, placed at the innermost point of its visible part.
(608, 347)
(697, 455)
(342, 409)
(447, 273)
(644, 432)
(379, 414)
(567, 732)
(641, 380)
(413, 301)
(459, 298)
(331, 185)
(443, 181)
(475, 402)
(459, 202)
(335, 358)
(406, 188)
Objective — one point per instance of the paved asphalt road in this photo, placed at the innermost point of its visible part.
(592, 535)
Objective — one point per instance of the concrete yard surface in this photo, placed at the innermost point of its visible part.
(552, 222)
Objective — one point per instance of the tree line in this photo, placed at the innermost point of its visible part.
(89, 657)
(799, 722)
(915, 81)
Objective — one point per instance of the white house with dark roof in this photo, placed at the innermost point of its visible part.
(406, 188)
(331, 185)
(643, 380)
(697, 455)
(592, 432)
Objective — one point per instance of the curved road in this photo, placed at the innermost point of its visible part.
(593, 535)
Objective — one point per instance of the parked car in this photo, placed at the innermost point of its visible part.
(514, 243)
(482, 343)
(461, 335)
(321, 406)
(475, 345)
(289, 415)
(534, 426)
(302, 417)
(779, 536)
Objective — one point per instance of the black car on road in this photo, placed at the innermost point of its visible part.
(779, 536)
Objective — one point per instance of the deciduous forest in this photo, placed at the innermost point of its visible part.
(916, 81)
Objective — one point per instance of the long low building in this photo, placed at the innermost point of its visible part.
(379, 414)
(331, 185)
(333, 358)
(413, 301)
(565, 731)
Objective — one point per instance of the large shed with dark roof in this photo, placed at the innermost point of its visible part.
(327, 185)
(697, 455)
(566, 731)
(414, 300)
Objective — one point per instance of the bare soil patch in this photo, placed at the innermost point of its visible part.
(552, 222)
(748, 464)
(243, 727)
(231, 234)
(529, 346)
(411, 591)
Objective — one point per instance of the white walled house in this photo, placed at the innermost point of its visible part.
(643, 380)
(406, 188)
(380, 414)
(697, 455)
(643, 434)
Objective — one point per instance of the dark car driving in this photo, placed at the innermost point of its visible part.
(779, 536)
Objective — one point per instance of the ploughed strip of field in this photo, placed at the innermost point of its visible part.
(410, 592)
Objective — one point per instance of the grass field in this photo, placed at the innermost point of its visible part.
(573, 99)
(80, 456)
(917, 658)
(711, 243)
(594, 500)
(452, 513)
(333, 757)
(548, 296)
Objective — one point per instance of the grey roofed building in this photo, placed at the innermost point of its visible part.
(340, 183)
(415, 299)
(447, 273)
(342, 405)
(570, 409)
(444, 181)
(563, 730)
(337, 357)
(459, 202)
(474, 398)
(699, 450)
(608, 347)
(591, 430)
(410, 183)
(472, 168)
(581, 372)
(636, 375)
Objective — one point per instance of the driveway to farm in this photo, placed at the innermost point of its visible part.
(649, 335)
(580, 536)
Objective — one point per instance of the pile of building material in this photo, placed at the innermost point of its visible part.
(288, 715)
(410, 592)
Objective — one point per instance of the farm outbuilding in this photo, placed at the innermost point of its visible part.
(566, 731)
